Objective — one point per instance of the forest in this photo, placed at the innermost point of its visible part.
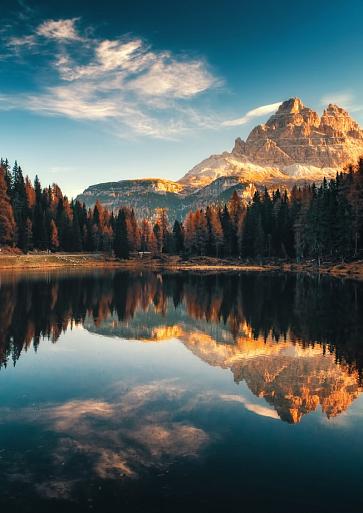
(320, 222)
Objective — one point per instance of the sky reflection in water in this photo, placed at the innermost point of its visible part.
(151, 386)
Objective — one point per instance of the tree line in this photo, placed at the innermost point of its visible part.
(303, 309)
(310, 221)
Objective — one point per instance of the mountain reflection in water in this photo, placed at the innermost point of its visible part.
(296, 341)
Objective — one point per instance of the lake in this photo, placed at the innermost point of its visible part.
(174, 392)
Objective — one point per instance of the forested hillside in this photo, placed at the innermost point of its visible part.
(308, 222)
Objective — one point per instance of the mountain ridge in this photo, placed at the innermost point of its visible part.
(294, 146)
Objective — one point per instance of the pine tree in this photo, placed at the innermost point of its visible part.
(4, 164)
(30, 193)
(54, 241)
(133, 232)
(121, 241)
(39, 218)
(227, 231)
(21, 208)
(355, 196)
(190, 242)
(163, 231)
(178, 238)
(64, 221)
(236, 211)
(215, 232)
(76, 231)
(7, 221)
(201, 236)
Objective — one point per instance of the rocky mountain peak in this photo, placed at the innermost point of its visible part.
(291, 106)
(339, 119)
(294, 146)
(291, 113)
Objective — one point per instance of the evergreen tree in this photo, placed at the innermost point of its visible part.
(7, 221)
(4, 164)
(178, 238)
(227, 232)
(54, 241)
(40, 236)
(121, 241)
(76, 231)
(21, 209)
(215, 232)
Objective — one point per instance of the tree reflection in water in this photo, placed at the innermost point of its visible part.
(295, 340)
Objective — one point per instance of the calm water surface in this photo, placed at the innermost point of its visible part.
(180, 393)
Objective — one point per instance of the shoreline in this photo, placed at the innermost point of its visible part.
(89, 261)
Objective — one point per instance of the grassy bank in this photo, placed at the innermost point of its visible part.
(45, 261)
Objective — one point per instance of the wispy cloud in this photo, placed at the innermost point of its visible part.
(59, 29)
(345, 99)
(111, 437)
(264, 110)
(22, 41)
(123, 82)
(256, 408)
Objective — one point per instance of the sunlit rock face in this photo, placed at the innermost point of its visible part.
(294, 144)
(294, 379)
(145, 196)
(294, 340)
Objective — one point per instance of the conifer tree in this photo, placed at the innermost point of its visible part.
(227, 231)
(76, 230)
(4, 164)
(162, 232)
(21, 209)
(178, 238)
(121, 241)
(54, 241)
(41, 216)
(7, 221)
(215, 232)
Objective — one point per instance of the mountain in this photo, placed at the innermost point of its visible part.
(146, 195)
(143, 195)
(295, 380)
(294, 146)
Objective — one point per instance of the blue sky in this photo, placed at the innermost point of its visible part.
(103, 91)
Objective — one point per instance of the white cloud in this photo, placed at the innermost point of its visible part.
(111, 435)
(341, 98)
(264, 110)
(124, 55)
(73, 102)
(258, 409)
(23, 41)
(174, 79)
(345, 99)
(59, 29)
(121, 82)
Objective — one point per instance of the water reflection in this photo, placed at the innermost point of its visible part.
(296, 341)
(122, 435)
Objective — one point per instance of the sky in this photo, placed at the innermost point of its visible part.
(101, 91)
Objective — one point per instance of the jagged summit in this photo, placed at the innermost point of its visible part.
(292, 140)
(290, 106)
(295, 145)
